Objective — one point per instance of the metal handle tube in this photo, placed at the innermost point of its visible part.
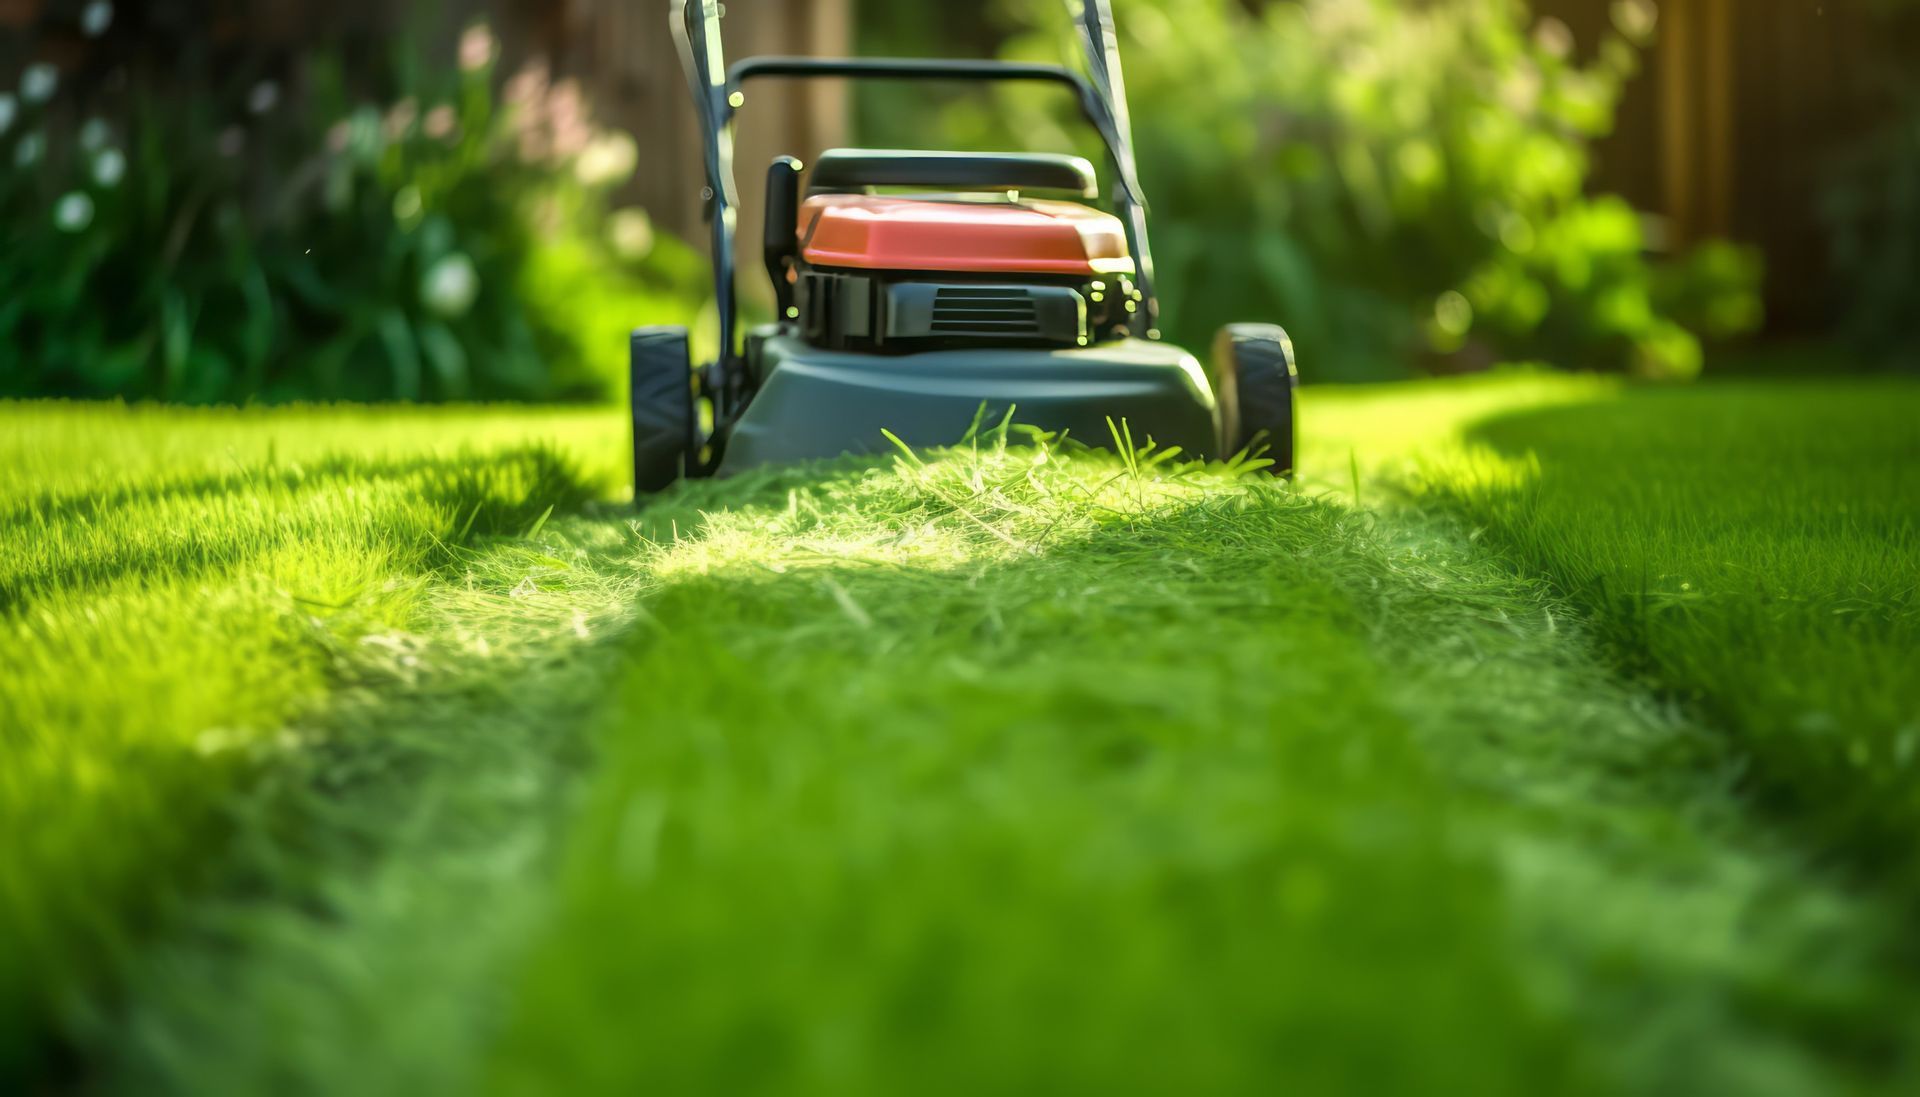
(696, 31)
(1101, 47)
(1093, 105)
(1101, 100)
(716, 96)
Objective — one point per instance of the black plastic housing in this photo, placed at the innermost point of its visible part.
(900, 312)
(780, 237)
(844, 170)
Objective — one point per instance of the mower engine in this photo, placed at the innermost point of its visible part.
(985, 267)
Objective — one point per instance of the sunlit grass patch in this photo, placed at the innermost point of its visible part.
(1370, 436)
(177, 589)
(1753, 547)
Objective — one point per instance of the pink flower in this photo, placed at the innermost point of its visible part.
(567, 112)
(527, 88)
(440, 123)
(477, 47)
(400, 119)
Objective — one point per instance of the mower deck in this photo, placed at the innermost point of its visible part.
(817, 403)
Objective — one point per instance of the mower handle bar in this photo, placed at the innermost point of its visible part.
(716, 96)
(1092, 106)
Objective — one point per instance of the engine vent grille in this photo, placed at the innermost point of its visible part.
(985, 310)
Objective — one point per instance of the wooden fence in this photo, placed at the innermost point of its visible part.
(622, 52)
(1739, 111)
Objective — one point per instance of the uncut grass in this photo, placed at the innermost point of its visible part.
(1002, 773)
(1753, 547)
(392, 871)
(175, 589)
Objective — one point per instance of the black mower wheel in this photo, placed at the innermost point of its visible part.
(663, 416)
(1253, 382)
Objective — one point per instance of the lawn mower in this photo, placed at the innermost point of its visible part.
(923, 292)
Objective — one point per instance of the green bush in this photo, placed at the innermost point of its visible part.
(1394, 182)
(187, 240)
(1871, 206)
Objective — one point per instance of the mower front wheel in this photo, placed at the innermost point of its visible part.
(1254, 380)
(664, 439)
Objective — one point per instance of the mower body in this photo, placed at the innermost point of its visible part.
(922, 293)
(817, 402)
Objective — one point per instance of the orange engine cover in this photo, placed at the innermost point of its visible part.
(890, 232)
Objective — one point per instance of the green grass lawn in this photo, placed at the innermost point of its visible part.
(1750, 548)
(1756, 549)
(365, 752)
(178, 591)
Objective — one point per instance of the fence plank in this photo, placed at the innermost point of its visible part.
(1738, 109)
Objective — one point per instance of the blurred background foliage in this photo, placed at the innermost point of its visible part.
(1401, 185)
(415, 226)
(1871, 209)
(1409, 187)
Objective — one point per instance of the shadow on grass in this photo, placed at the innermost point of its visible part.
(447, 501)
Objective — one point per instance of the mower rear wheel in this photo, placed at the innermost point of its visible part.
(1253, 384)
(663, 416)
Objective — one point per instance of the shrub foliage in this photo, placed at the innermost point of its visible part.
(1394, 182)
(314, 231)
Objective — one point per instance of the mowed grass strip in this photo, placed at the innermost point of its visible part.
(1753, 547)
(176, 589)
(1017, 772)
